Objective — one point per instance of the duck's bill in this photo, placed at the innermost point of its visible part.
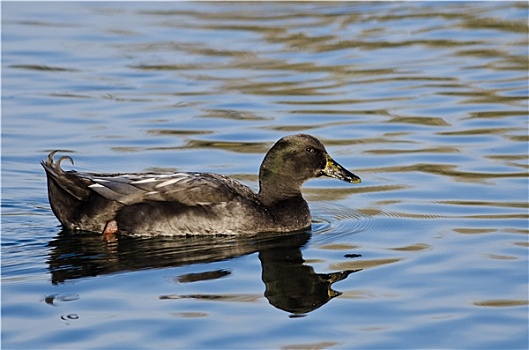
(337, 171)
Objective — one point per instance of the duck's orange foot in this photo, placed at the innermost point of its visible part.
(111, 228)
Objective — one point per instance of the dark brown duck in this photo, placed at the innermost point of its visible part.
(194, 203)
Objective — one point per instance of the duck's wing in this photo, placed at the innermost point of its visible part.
(186, 188)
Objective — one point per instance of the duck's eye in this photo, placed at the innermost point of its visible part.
(309, 149)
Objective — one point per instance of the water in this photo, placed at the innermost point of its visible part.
(427, 102)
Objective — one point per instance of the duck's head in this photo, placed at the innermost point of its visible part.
(295, 159)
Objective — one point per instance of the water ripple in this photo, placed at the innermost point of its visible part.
(338, 220)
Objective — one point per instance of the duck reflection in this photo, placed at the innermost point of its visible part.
(291, 285)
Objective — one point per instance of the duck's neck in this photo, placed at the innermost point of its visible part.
(290, 212)
(281, 195)
(274, 187)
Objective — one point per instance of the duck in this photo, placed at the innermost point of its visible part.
(193, 203)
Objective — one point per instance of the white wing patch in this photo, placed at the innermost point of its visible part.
(168, 182)
(97, 185)
(144, 181)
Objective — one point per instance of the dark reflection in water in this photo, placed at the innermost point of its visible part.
(291, 285)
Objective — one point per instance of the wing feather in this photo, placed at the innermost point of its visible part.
(186, 188)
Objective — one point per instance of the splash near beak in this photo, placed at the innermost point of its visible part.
(337, 171)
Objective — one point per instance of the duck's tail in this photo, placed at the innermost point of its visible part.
(66, 191)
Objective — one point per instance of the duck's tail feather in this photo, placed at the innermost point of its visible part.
(66, 190)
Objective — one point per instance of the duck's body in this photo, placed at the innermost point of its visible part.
(194, 203)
